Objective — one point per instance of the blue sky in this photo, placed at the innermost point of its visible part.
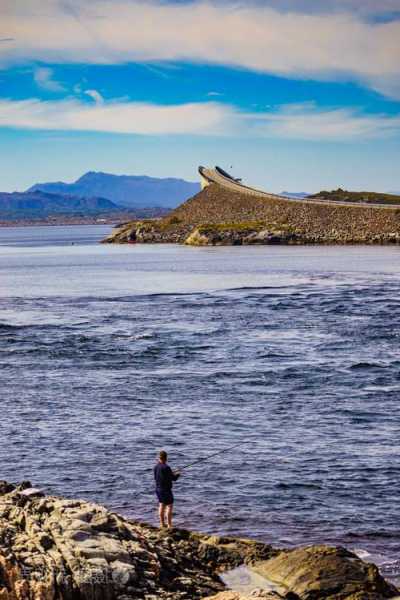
(291, 96)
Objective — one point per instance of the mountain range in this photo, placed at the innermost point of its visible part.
(41, 204)
(129, 191)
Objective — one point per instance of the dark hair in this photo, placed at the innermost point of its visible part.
(163, 456)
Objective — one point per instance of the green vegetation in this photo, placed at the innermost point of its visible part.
(360, 197)
(207, 228)
(221, 227)
(222, 216)
(158, 224)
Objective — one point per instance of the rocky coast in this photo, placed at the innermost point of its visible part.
(218, 216)
(54, 548)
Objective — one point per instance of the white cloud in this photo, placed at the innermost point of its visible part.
(116, 117)
(257, 37)
(43, 77)
(298, 121)
(95, 95)
(307, 122)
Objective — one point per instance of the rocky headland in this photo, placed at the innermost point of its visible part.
(54, 548)
(219, 216)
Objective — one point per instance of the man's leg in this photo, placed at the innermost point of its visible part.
(169, 515)
(161, 514)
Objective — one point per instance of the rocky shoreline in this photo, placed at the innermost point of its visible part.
(54, 548)
(224, 234)
(217, 217)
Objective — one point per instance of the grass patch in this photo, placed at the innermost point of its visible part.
(244, 226)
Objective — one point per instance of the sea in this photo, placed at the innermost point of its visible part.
(283, 359)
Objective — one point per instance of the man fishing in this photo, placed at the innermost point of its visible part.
(164, 477)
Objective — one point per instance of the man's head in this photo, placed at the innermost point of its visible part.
(163, 456)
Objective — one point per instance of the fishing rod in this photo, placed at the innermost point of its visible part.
(205, 458)
(199, 460)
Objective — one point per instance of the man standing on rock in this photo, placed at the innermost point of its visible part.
(164, 478)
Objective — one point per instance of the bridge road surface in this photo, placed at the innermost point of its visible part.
(220, 177)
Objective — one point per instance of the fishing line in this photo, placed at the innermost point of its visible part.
(213, 454)
(200, 460)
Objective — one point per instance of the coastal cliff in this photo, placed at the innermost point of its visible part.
(224, 211)
(54, 548)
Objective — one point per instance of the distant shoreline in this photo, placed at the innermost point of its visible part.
(112, 221)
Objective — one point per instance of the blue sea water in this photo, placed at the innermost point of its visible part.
(108, 353)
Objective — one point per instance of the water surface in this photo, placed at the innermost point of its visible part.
(108, 353)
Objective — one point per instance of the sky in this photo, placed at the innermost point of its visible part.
(295, 95)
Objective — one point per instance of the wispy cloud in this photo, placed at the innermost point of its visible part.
(95, 95)
(308, 122)
(43, 77)
(259, 37)
(295, 121)
(362, 7)
(116, 117)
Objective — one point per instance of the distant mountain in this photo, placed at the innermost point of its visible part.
(39, 204)
(295, 194)
(131, 191)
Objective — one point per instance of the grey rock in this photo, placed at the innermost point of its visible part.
(58, 549)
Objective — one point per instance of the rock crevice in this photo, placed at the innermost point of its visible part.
(54, 548)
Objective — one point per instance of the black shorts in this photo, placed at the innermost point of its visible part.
(165, 497)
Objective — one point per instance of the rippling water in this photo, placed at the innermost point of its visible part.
(108, 353)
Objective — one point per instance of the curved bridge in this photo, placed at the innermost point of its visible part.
(221, 177)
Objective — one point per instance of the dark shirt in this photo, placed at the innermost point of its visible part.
(164, 477)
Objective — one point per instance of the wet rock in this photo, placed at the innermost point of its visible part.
(323, 572)
(5, 487)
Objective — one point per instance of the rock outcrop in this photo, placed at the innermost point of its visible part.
(239, 234)
(285, 220)
(151, 231)
(54, 548)
(322, 572)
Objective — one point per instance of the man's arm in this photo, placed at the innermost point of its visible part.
(175, 475)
